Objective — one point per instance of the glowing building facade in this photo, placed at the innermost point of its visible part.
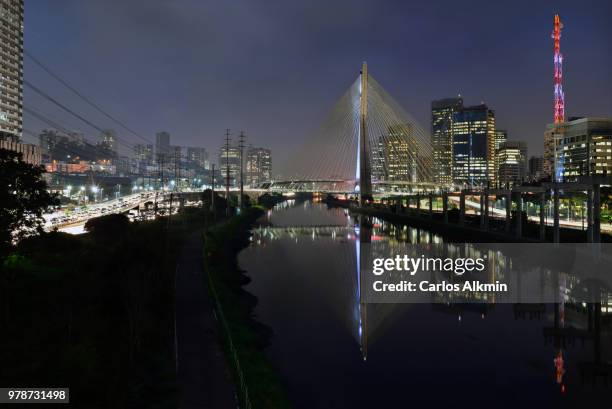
(583, 147)
(473, 132)
(258, 166)
(512, 162)
(442, 112)
(11, 70)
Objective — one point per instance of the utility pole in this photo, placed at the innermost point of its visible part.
(227, 173)
(177, 158)
(160, 171)
(241, 146)
(212, 193)
(177, 168)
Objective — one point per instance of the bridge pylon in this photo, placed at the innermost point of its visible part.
(363, 149)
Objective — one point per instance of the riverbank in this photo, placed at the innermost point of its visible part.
(452, 232)
(470, 231)
(244, 339)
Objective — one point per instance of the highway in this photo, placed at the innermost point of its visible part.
(73, 221)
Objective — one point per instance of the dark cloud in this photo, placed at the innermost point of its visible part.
(272, 68)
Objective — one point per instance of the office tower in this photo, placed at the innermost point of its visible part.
(109, 140)
(175, 152)
(378, 160)
(396, 160)
(11, 78)
(401, 154)
(162, 145)
(442, 112)
(258, 166)
(582, 147)
(499, 136)
(536, 170)
(395, 156)
(230, 157)
(47, 139)
(552, 134)
(473, 131)
(512, 162)
(11, 82)
(198, 156)
(143, 153)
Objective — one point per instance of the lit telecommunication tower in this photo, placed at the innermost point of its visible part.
(558, 77)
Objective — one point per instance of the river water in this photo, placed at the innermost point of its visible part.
(332, 351)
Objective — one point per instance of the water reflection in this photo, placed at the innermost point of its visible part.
(309, 267)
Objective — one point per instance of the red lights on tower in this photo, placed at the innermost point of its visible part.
(559, 105)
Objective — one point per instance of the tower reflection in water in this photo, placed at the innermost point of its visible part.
(361, 238)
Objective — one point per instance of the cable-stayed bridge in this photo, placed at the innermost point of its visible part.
(367, 144)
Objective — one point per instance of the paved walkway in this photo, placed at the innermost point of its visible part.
(203, 376)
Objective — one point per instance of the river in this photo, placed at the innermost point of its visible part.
(333, 352)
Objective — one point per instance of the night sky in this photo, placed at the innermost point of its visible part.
(273, 68)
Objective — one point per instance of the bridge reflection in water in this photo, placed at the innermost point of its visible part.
(356, 240)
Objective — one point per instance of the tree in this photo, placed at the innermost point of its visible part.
(24, 197)
(109, 227)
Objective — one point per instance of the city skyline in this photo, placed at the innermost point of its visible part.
(234, 204)
(256, 95)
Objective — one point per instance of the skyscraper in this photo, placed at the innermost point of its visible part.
(230, 158)
(11, 82)
(512, 162)
(395, 156)
(552, 134)
(583, 148)
(499, 136)
(378, 160)
(536, 171)
(109, 139)
(442, 112)
(143, 153)
(11, 71)
(473, 130)
(198, 156)
(258, 166)
(162, 145)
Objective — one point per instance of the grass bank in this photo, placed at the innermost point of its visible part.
(244, 339)
(95, 312)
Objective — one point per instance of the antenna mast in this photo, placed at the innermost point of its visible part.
(559, 107)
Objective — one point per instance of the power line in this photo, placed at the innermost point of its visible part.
(71, 112)
(59, 104)
(83, 97)
(59, 127)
